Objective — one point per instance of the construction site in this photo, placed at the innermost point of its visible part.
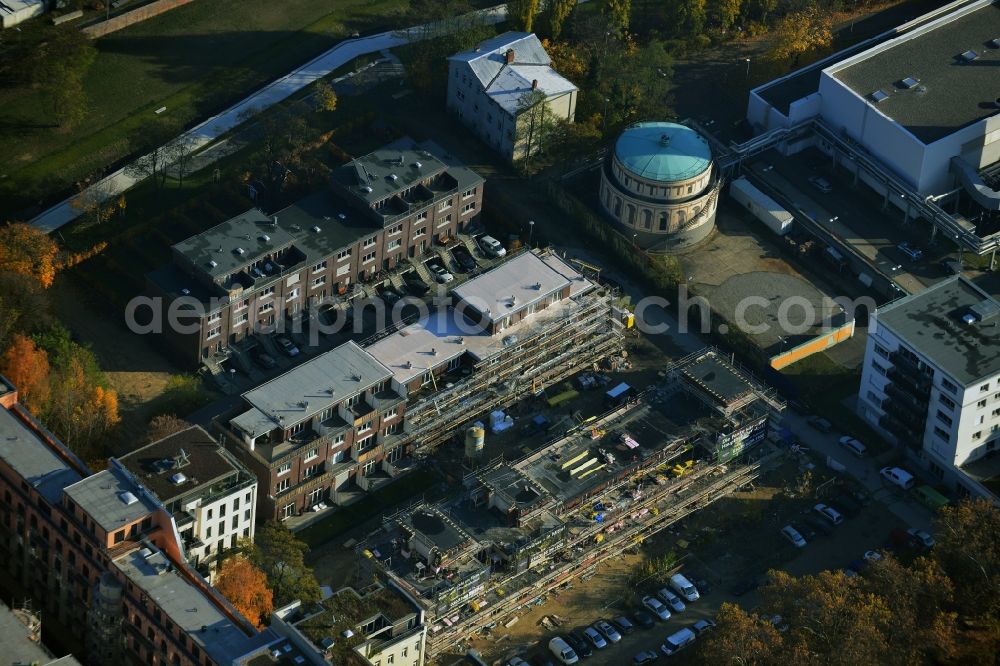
(518, 529)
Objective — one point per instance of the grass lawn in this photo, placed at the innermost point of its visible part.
(824, 385)
(405, 489)
(195, 60)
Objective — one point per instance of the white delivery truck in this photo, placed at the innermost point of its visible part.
(763, 207)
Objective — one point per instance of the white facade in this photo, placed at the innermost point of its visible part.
(957, 421)
(488, 87)
(221, 521)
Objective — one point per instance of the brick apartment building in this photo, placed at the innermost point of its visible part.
(347, 421)
(254, 270)
(211, 495)
(308, 431)
(101, 559)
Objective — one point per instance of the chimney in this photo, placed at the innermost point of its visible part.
(509, 56)
(534, 84)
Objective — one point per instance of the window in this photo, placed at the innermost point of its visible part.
(214, 333)
(977, 435)
(882, 351)
(468, 208)
(947, 402)
(208, 532)
(236, 520)
(236, 504)
(981, 404)
(390, 413)
(445, 205)
(320, 280)
(294, 293)
(288, 510)
(364, 427)
(368, 258)
(445, 220)
(246, 515)
(369, 242)
(267, 292)
(343, 254)
(366, 443)
(984, 388)
(214, 317)
(944, 418)
(241, 319)
(392, 231)
(310, 454)
(320, 266)
(242, 305)
(469, 193)
(339, 439)
(312, 470)
(209, 515)
(391, 429)
(417, 233)
(267, 307)
(948, 386)
(421, 216)
(880, 369)
(283, 485)
(874, 398)
(941, 433)
(663, 221)
(222, 510)
(394, 244)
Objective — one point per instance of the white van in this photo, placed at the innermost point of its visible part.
(684, 587)
(678, 641)
(561, 650)
(897, 475)
(492, 247)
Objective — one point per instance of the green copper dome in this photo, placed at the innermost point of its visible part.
(665, 152)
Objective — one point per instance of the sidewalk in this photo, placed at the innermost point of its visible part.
(208, 131)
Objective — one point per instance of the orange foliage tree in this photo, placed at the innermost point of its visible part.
(27, 366)
(246, 588)
(28, 251)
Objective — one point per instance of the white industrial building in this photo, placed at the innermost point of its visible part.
(489, 89)
(931, 381)
(13, 12)
(211, 496)
(915, 113)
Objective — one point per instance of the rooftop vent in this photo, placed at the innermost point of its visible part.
(393, 177)
(664, 139)
(879, 96)
(538, 286)
(212, 263)
(434, 351)
(417, 165)
(127, 498)
(969, 318)
(368, 189)
(317, 229)
(341, 216)
(178, 478)
(908, 83)
(219, 250)
(186, 292)
(240, 250)
(265, 237)
(968, 56)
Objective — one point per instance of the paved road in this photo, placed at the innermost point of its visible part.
(200, 136)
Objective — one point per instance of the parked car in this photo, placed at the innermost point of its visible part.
(464, 260)
(414, 284)
(677, 641)
(262, 358)
(897, 476)
(911, 252)
(701, 626)
(819, 524)
(793, 536)
(595, 638)
(684, 587)
(517, 661)
(440, 273)
(491, 246)
(821, 184)
(873, 555)
(656, 607)
(853, 445)
(623, 624)
(920, 537)
(744, 586)
(829, 513)
(579, 644)
(645, 657)
(820, 424)
(643, 619)
(287, 345)
(608, 631)
(563, 651)
(671, 600)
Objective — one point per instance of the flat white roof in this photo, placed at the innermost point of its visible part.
(518, 283)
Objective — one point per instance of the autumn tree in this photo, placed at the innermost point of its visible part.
(618, 14)
(968, 549)
(566, 60)
(324, 96)
(245, 586)
(29, 251)
(740, 638)
(557, 13)
(165, 425)
(799, 33)
(27, 367)
(723, 13)
(281, 556)
(24, 306)
(521, 14)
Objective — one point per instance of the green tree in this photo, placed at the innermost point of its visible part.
(741, 639)
(24, 306)
(724, 13)
(799, 33)
(521, 14)
(325, 96)
(618, 14)
(281, 556)
(63, 58)
(558, 12)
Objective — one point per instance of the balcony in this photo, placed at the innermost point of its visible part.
(904, 395)
(400, 466)
(370, 454)
(910, 370)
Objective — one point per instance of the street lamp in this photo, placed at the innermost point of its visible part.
(531, 230)
(634, 244)
(748, 68)
(604, 118)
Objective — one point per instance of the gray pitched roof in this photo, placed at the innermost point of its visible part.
(508, 83)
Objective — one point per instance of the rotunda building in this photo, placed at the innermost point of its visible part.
(660, 184)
